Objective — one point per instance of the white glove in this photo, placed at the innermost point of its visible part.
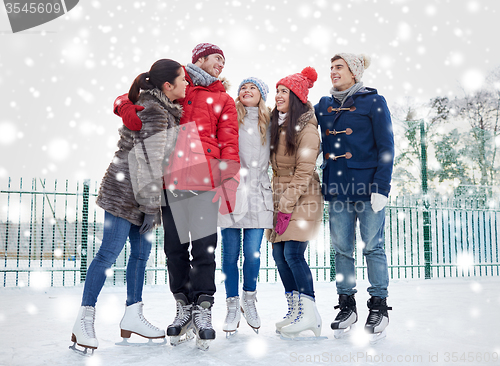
(378, 201)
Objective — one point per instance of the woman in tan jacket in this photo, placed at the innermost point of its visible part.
(298, 203)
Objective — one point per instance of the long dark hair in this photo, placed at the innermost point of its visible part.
(162, 71)
(295, 109)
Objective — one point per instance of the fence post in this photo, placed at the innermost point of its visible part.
(326, 223)
(85, 230)
(425, 213)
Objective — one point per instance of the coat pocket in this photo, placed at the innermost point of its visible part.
(267, 195)
(360, 176)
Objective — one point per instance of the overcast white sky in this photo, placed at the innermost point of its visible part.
(58, 80)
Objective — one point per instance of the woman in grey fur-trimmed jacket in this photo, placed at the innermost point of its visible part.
(130, 194)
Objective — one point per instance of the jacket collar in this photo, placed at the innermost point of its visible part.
(173, 108)
(350, 100)
(305, 118)
(192, 76)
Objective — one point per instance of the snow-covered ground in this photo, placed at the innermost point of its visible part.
(451, 321)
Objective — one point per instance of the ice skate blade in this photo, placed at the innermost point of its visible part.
(203, 344)
(256, 330)
(82, 352)
(186, 337)
(343, 333)
(287, 337)
(230, 333)
(377, 337)
(149, 343)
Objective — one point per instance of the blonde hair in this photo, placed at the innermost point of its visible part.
(264, 117)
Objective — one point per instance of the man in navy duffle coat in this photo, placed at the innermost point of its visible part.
(358, 153)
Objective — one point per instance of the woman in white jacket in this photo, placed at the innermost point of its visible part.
(254, 205)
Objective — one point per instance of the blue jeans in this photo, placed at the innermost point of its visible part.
(343, 216)
(292, 266)
(231, 243)
(116, 231)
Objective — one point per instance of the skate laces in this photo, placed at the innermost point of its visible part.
(88, 321)
(250, 306)
(144, 320)
(345, 311)
(232, 309)
(182, 314)
(374, 316)
(299, 313)
(377, 311)
(204, 318)
(289, 299)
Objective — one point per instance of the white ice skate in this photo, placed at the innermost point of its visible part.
(378, 319)
(232, 321)
(249, 310)
(292, 299)
(84, 332)
(133, 321)
(307, 318)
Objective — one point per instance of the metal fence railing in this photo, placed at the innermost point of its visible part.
(50, 232)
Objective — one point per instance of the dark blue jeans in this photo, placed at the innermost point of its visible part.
(292, 266)
(231, 243)
(116, 231)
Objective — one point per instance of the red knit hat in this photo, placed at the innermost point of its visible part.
(205, 49)
(300, 83)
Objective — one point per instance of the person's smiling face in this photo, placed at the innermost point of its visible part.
(342, 77)
(249, 95)
(213, 64)
(282, 98)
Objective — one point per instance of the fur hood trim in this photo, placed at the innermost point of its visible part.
(306, 117)
(173, 108)
(226, 83)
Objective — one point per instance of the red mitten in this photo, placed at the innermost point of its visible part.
(226, 191)
(127, 110)
(282, 222)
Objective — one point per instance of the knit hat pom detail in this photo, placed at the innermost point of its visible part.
(366, 60)
(300, 83)
(311, 74)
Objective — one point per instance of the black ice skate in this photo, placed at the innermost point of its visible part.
(378, 318)
(180, 330)
(202, 321)
(347, 316)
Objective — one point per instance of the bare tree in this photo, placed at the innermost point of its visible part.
(481, 110)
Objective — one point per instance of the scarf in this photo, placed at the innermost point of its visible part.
(199, 76)
(281, 118)
(341, 96)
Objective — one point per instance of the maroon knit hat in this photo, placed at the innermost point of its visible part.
(300, 83)
(205, 49)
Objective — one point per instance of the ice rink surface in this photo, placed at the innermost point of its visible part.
(447, 321)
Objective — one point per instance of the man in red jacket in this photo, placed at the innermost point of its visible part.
(203, 168)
